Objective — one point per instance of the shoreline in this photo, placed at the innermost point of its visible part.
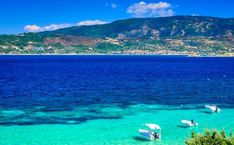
(98, 54)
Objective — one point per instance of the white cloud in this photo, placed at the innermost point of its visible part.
(32, 28)
(112, 5)
(36, 28)
(143, 9)
(91, 22)
(51, 27)
(56, 26)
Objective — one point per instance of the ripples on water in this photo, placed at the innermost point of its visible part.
(75, 89)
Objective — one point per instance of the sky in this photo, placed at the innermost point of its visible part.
(18, 16)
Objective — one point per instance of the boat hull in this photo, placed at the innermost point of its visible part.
(189, 123)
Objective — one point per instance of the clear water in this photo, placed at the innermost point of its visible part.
(71, 100)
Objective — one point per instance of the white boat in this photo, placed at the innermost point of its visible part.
(189, 123)
(213, 108)
(153, 132)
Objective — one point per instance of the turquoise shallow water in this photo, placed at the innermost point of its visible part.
(76, 100)
(118, 131)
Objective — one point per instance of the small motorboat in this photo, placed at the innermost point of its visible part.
(213, 108)
(189, 123)
(152, 132)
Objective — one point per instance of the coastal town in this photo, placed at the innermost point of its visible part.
(197, 46)
(178, 35)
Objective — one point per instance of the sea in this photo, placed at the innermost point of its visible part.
(105, 99)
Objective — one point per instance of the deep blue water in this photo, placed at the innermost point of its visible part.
(65, 82)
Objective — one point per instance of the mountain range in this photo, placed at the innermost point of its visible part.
(176, 35)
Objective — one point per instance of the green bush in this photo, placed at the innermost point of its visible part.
(213, 137)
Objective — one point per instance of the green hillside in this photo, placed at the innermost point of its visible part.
(187, 35)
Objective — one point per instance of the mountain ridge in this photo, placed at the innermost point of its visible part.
(192, 35)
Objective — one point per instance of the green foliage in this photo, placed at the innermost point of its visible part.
(192, 26)
(178, 34)
(213, 137)
(105, 47)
